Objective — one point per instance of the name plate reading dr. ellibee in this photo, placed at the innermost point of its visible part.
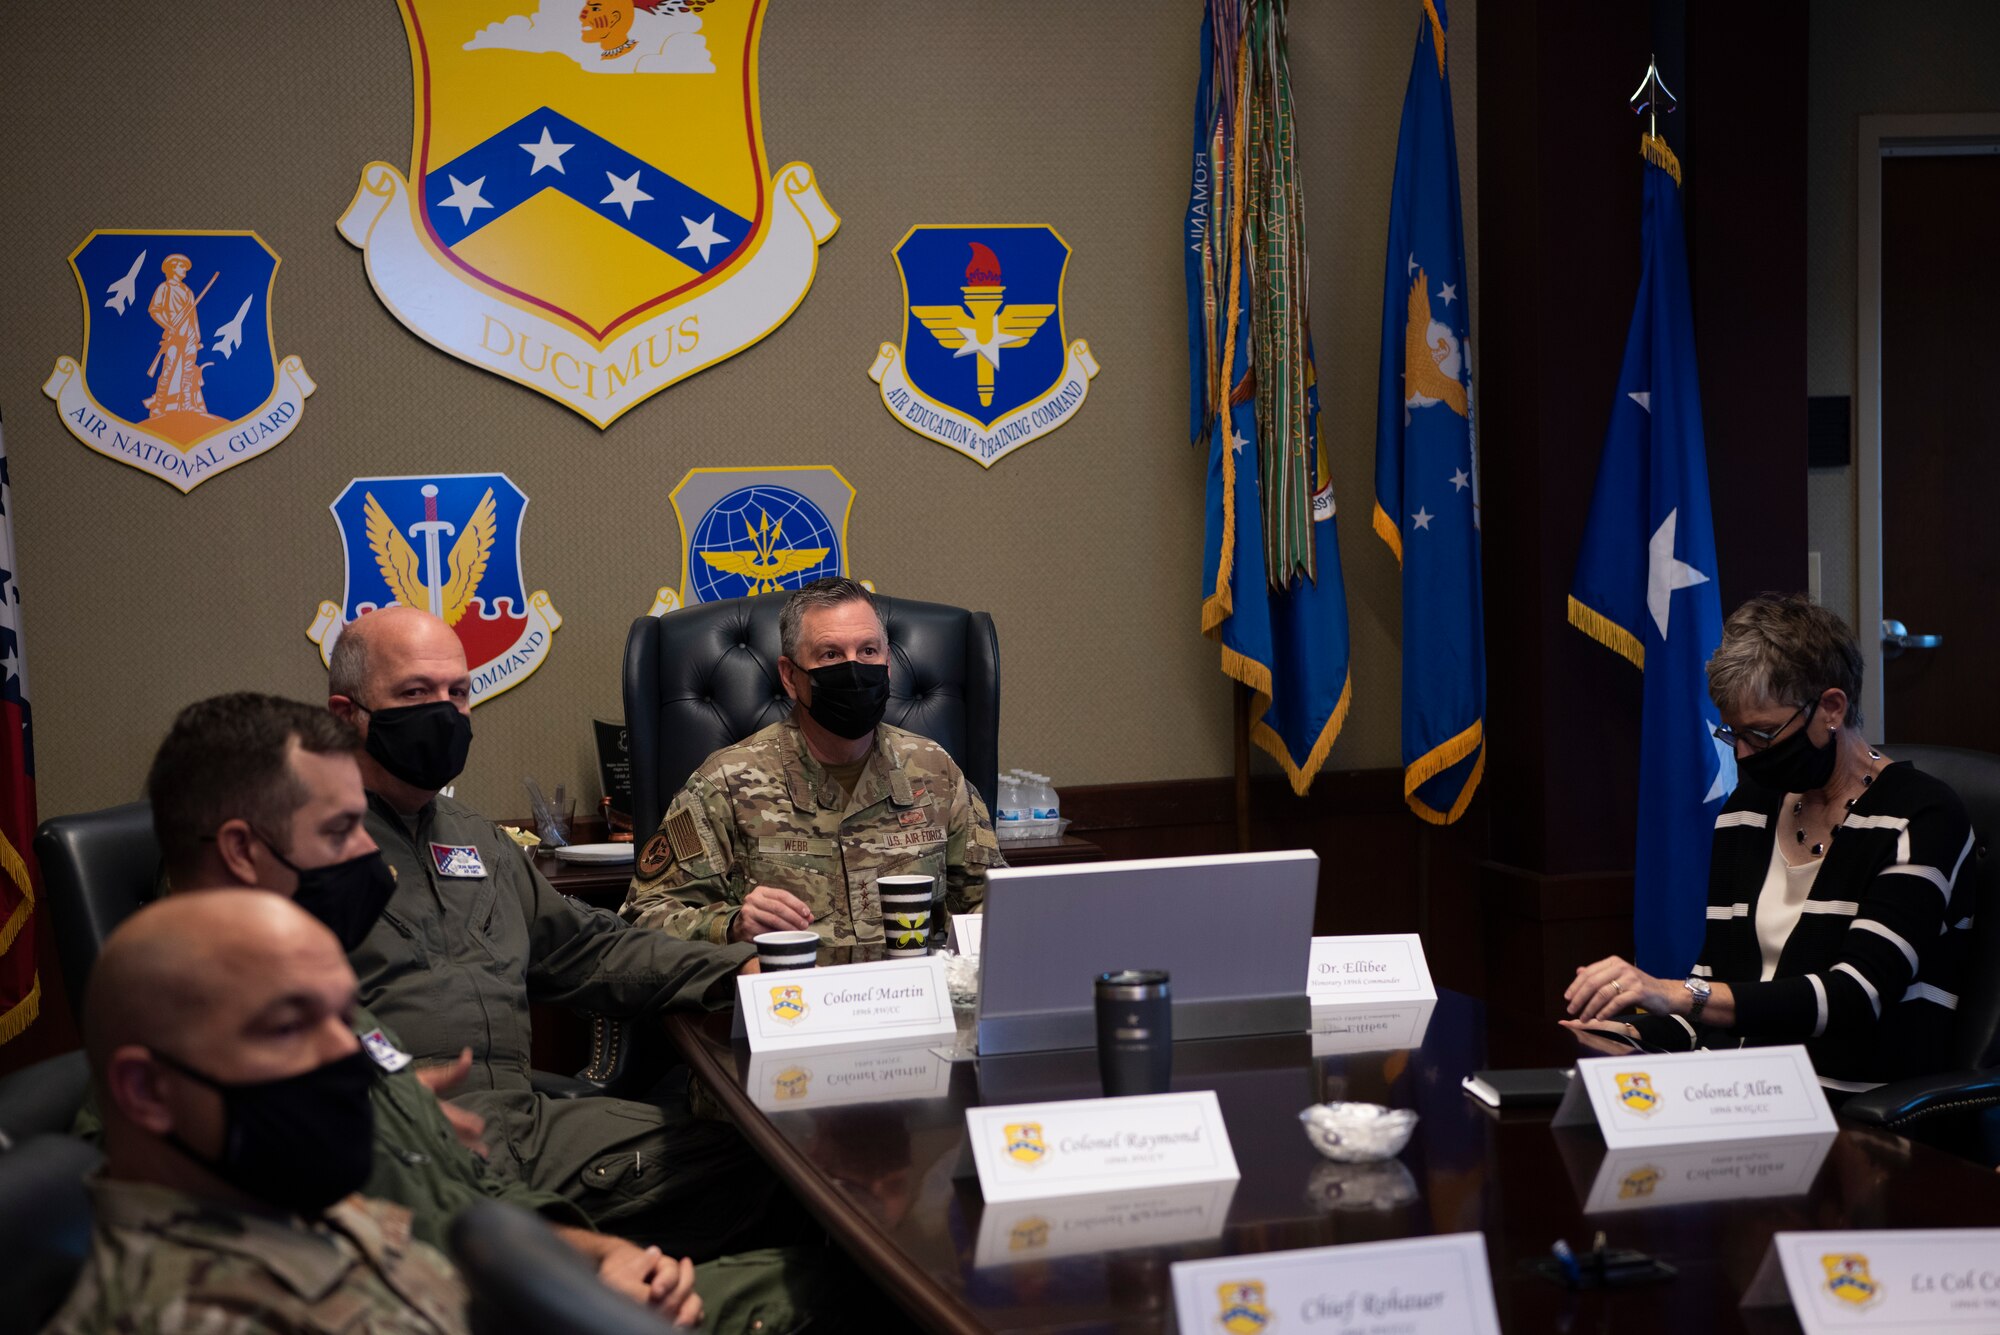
(1031, 1151)
(1681, 1098)
(844, 1005)
(1370, 969)
(1419, 1286)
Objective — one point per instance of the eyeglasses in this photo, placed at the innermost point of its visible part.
(1759, 738)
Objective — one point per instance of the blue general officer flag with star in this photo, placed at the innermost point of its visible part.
(1646, 586)
(1426, 468)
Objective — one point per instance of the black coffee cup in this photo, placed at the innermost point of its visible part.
(1135, 1032)
(779, 951)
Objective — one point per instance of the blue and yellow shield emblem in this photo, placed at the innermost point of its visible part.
(985, 365)
(449, 543)
(1847, 1278)
(788, 1004)
(1024, 1144)
(746, 531)
(1635, 1092)
(579, 182)
(791, 1084)
(1242, 1309)
(179, 375)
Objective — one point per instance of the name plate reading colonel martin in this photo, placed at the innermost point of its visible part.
(1908, 1281)
(1032, 1151)
(1369, 969)
(1416, 1286)
(844, 1006)
(1684, 1098)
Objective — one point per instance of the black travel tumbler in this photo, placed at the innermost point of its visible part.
(1135, 1032)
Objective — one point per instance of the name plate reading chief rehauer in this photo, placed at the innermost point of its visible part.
(1372, 969)
(1682, 1098)
(1417, 1286)
(844, 1006)
(1031, 1151)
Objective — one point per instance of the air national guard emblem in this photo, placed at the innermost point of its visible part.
(588, 210)
(451, 544)
(788, 1004)
(985, 365)
(1024, 1143)
(1847, 1278)
(1635, 1091)
(1243, 1311)
(757, 530)
(179, 374)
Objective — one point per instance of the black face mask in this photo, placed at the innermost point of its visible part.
(1794, 765)
(423, 745)
(347, 896)
(848, 698)
(301, 1143)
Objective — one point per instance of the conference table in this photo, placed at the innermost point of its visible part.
(872, 1141)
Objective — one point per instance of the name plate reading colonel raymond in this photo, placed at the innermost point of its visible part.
(1417, 1286)
(1908, 1281)
(844, 1006)
(1371, 969)
(1031, 1151)
(1682, 1098)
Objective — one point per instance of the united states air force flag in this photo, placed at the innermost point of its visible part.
(1645, 585)
(1426, 466)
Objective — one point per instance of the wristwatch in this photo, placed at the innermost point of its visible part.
(1699, 989)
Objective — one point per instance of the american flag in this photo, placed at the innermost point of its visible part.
(20, 985)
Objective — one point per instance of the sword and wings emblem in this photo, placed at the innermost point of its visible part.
(448, 592)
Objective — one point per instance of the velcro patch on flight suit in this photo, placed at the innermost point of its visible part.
(384, 1053)
(684, 833)
(655, 857)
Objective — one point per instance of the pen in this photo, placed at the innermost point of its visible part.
(1567, 1260)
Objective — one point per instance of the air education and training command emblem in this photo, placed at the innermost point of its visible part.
(1242, 1309)
(179, 375)
(985, 365)
(449, 543)
(588, 211)
(1847, 1279)
(788, 1004)
(1636, 1093)
(747, 531)
(1024, 1143)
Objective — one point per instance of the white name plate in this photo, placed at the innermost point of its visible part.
(1907, 1281)
(845, 1005)
(1420, 1286)
(1683, 1098)
(1077, 1225)
(1739, 1170)
(1373, 969)
(965, 932)
(1033, 1151)
(785, 1081)
(1338, 1029)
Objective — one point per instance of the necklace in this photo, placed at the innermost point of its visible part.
(616, 52)
(1799, 807)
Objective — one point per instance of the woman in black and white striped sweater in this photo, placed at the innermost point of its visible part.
(1833, 918)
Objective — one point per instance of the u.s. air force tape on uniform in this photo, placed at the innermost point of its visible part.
(844, 1006)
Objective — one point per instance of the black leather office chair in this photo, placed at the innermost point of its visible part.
(42, 1099)
(707, 675)
(1959, 1110)
(98, 868)
(524, 1280)
(44, 1228)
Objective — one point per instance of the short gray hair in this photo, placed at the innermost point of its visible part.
(813, 597)
(347, 665)
(1785, 649)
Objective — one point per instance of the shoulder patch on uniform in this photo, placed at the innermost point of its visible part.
(684, 833)
(655, 857)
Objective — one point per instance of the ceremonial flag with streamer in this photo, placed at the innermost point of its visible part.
(20, 985)
(1645, 586)
(1272, 593)
(1426, 459)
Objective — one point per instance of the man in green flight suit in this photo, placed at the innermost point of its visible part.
(253, 790)
(473, 933)
(790, 829)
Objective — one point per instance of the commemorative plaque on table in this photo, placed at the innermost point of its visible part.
(1030, 1151)
(1376, 970)
(1415, 1286)
(844, 1005)
(1905, 1281)
(1684, 1098)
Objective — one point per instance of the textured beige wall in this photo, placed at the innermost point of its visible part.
(1869, 59)
(1084, 545)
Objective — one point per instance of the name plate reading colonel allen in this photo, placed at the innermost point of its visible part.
(1031, 1151)
(1909, 1281)
(1682, 1098)
(844, 1006)
(1418, 1286)
(1371, 969)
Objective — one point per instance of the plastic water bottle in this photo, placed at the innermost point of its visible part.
(1042, 801)
(1012, 812)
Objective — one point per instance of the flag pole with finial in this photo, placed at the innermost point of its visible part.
(1646, 100)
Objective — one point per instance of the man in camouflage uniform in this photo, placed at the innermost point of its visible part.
(791, 828)
(244, 990)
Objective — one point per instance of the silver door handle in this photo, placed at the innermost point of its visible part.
(1896, 636)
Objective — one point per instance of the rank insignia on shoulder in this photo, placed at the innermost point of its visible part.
(384, 1053)
(655, 857)
(459, 861)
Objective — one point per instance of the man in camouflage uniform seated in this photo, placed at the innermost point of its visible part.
(790, 828)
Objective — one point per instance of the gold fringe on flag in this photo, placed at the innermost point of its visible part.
(1427, 767)
(23, 1013)
(1607, 632)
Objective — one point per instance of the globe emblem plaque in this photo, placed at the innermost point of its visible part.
(761, 539)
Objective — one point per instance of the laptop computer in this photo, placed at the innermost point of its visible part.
(1234, 931)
